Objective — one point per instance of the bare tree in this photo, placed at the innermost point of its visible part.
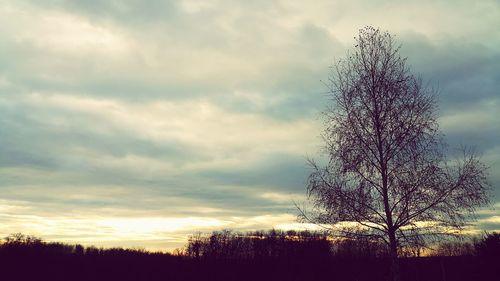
(387, 177)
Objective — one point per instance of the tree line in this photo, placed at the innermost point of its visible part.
(227, 244)
(257, 255)
(276, 244)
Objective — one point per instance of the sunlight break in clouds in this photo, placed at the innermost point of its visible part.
(103, 230)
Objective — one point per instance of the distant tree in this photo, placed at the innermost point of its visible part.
(195, 245)
(359, 248)
(454, 248)
(489, 246)
(273, 244)
(22, 239)
(387, 176)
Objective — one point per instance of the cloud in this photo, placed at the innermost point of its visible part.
(109, 229)
(108, 130)
(464, 72)
(283, 66)
(84, 156)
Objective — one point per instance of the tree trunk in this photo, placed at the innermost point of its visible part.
(395, 273)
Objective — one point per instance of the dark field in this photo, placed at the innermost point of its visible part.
(272, 258)
(126, 266)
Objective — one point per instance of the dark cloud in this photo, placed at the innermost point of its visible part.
(47, 138)
(463, 71)
(465, 74)
(274, 173)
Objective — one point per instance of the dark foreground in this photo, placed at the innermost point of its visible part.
(47, 264)
(229, 256)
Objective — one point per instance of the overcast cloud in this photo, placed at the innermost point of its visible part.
(136, 123)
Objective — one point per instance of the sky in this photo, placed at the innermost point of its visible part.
(137, 123)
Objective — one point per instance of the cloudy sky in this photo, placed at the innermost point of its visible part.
(135, 123)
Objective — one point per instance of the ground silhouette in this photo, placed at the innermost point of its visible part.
(226, 255)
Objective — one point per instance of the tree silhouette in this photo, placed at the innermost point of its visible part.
(271, 244)
(489, 246)
(387, 177)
